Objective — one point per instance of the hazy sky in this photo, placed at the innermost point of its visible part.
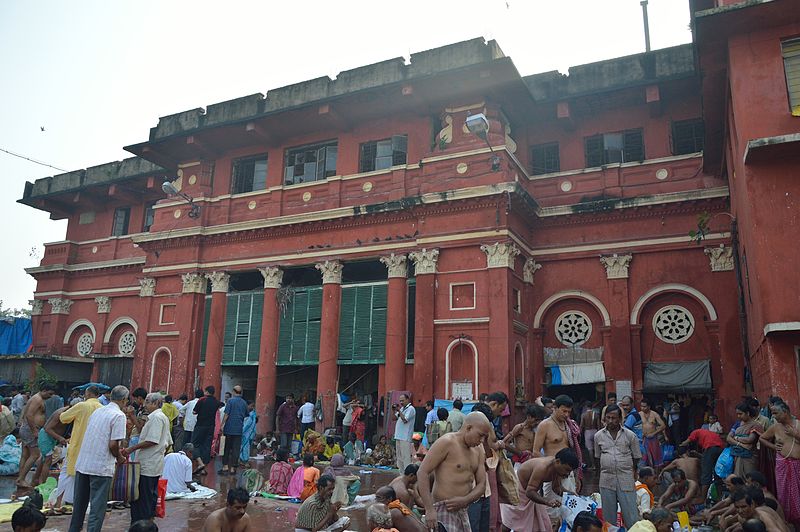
(98, 74)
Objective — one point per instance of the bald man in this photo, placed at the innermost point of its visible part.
(456, 462)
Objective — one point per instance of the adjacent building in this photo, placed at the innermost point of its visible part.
(354, 233)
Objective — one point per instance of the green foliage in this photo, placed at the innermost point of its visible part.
(40, 377)
(702, 228)
(14, 312)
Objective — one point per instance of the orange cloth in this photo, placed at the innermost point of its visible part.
(310, 478)
(639, 486)
(397, 505)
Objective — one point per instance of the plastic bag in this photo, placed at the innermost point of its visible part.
(724, 465)
(161, 500)
(668, 452)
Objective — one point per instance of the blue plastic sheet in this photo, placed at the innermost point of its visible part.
(16, 336)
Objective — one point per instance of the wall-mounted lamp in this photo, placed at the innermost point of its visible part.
(478, 125)
(169, 189)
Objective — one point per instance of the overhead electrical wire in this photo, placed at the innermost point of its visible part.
(33, 160)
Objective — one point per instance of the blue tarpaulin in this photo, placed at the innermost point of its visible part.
(16, 336)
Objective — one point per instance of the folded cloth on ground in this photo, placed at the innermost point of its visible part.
(201, 493)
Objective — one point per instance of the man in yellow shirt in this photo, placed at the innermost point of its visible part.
(78, 415)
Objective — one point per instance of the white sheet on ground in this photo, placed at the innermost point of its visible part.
(201, 493)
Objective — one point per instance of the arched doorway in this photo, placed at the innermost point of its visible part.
(462, 369)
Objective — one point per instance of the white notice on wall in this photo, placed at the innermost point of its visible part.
(624, 388)
(462, 390)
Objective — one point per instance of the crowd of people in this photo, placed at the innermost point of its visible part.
(461, 472)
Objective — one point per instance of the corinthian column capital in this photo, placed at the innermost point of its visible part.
(273, 276)
(331, 271)
(396, 264)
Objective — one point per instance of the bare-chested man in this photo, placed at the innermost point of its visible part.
(31, 421)
(232, 518)
(51, 435)
(531, 513)
(652, 426)
(520, 440)
(456, 462)
(784, 438)
(405, 486)
(403, 518)
(555, 433)
(749, 503)
(687, 461)
(682, 494)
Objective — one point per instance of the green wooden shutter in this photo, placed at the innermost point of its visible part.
(206, 320)
(791, 65)
(362, 324)
(594, 151)
(231, 321)
(298, 340)
(633, 145)
(254, 338)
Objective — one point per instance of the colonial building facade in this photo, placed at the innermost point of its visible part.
(356, 234)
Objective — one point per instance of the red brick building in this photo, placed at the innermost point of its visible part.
(354, 232)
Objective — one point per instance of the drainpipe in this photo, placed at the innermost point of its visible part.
(643, 3)
(737, 266)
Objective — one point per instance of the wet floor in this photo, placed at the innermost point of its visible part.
(266, 514)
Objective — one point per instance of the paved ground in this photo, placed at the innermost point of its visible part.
(267, 514)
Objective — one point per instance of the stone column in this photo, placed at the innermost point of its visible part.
(329, 339)
(636, 353)
(425, 270)
(103, 310)
(147, 289)
(268, 350)
(537, 355)
(59, 310)
(37, 306)
(532, 385)
(212, 373)
(189, 324)
(500, 260)
(396, 316)
(619, 360)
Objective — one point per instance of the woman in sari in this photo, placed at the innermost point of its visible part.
(248, 433)
(216, 445)
(743, 441)
(382, 454)
(345, 480)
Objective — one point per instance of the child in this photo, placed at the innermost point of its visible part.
(714, 425)
(644, 491)
(267, 446)
(27, 518)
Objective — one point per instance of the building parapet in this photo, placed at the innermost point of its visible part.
(613, 74)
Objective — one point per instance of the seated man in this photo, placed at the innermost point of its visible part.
(644, 491)
(318, 512)
(405, 486)
(682, 495)
(331, 448)
(379, 519)
(757, 479)
(749, 503)
(232, 518)
(354, 449)
(403, 518)
(724, 507)
(687, 461)
(178, 470)
(280, 473)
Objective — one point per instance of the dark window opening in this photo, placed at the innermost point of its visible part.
(383, 154)
(249, 174)
(545, 159)
(609, 148)
(516, 300)
(122, 217)
(149, 217)
(310, 163)
(687, 136)
(364, 272)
